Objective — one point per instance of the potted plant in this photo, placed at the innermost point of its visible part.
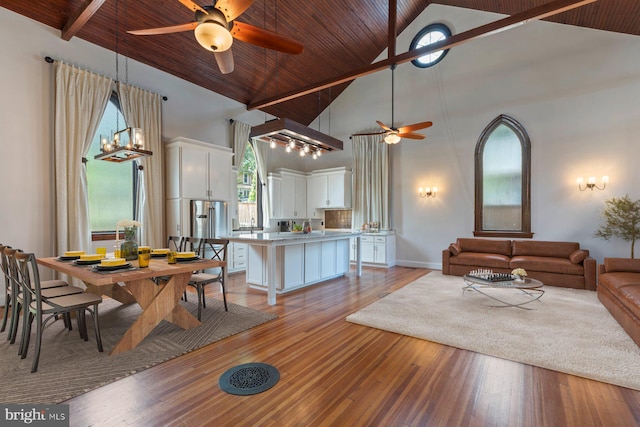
(621, 219)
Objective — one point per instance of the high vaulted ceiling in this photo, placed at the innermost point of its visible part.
(339, 36)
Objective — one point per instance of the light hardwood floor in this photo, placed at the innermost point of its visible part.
(335, 373)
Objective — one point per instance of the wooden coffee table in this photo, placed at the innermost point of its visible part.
(530, 287)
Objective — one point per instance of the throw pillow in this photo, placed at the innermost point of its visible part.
(455, 249)
(577, 256)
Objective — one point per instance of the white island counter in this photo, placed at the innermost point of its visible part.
(280, 262)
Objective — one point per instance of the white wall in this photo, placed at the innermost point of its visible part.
(26, 119)
(573, 89)
(576, 92)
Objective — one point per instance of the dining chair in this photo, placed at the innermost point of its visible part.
(50, 288)
(8, 302)
(42, 310)
(215, 249)
(191, 244)
(175, 243)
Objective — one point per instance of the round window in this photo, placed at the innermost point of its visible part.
(428, 35)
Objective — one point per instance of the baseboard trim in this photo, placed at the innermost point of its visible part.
(419, 264)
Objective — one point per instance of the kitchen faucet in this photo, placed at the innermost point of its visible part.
(252, 224)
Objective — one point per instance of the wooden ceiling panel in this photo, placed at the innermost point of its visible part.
(338, 36)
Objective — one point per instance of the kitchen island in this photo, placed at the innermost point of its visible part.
(280, 262)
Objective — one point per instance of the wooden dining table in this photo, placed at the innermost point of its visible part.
(158, 299)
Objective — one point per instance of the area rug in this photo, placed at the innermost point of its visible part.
(69, 366)
(567, 330)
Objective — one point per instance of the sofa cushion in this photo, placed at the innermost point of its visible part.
(546, 264)
(454, 248)
(544, 249)
(625, 287)
(622, 264)
(480, 259)
(501, 247)
(578, 256)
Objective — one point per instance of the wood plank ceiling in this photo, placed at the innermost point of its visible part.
(338, 36)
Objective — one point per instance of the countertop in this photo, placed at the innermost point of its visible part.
(281, 236)
(369, 233)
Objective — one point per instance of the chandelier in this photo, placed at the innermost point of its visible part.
(126, 144)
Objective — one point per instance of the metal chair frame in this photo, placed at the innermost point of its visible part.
(219, 250)
(38, 307)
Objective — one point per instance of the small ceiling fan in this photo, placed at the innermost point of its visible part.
(393, 135)
(215, 28)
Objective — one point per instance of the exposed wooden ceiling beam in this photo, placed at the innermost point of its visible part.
(391, 32)
(544, 11)
(78, 19)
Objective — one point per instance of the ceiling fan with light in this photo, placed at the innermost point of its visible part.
(393, 135)
(215, 28)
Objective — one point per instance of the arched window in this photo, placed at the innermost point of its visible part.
(249, 191)
(111, 186)
(503, 180)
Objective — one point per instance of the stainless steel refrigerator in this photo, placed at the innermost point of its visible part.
(209, 219)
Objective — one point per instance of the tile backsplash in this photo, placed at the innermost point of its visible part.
(337, 218)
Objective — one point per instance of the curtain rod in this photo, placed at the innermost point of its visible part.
(50, 60)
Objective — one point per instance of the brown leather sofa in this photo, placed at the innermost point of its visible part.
(619, 291)
(554, 263)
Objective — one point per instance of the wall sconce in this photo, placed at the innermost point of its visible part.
(591, 183)
(427, 192)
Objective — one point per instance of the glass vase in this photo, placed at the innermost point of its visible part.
(129, 248)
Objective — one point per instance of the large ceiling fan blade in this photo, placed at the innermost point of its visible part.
(191, 5)
(383, 126)
(225, 61)
(411, 135)
(265, 38)
(165, 30)
(232, 8)
(366, 134)
(416, 126)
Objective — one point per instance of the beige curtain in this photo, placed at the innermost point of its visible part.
(370, 181)
(80, 100)
(241, 133)
(143, 109)
(261, 150)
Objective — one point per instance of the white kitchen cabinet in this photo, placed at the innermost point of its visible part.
(194, 172)
(177, 217)
(316, 196)
(377, 250)
(256, 261)
(342, 256)
(328, 259)
(329, 188)
(293, 265)
(298, 263)
(290, 266)
(312, 252)
(237, 257)
(288, 194)
(197, 170)
(294, 195)
(274, 183)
